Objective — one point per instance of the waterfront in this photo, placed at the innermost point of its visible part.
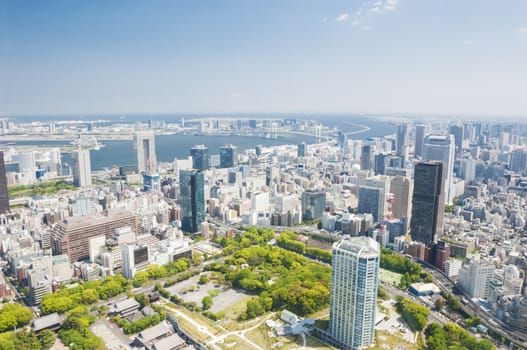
(170, 147)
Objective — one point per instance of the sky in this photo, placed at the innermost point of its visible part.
(394, 57)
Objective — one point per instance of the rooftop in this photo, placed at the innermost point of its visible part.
(154, 332)
(358, 245)
(171, 342)
(46, 321)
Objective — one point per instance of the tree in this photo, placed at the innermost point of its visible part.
(206, 302)
(140, 278)
(439, 303)
(46, 338)
(26, 340)
(203, 279)
(89, 296)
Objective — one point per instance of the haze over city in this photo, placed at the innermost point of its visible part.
(449, 57)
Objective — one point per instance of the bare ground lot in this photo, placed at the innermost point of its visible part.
(222, 301)
(227, 299)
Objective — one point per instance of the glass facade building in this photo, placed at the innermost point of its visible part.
(192, 199)
(428, 203)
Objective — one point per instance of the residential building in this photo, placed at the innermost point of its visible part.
(353, 298)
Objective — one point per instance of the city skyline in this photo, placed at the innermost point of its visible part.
(277, 57)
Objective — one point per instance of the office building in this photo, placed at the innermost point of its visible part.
(371, 201)
(366, 157)
(401, 139)
(192, 199)
(428, 202)
(81, 168)
(4, 195)
(353, 294)
(313, 205)
(475, 277)
(228, 156)
(420, 132)
(402, 189)
(519, 161)
(134, 258)
(72, 235)
(441, 148)
(39, 284)
(301, 149)
(458, 133)
(145, 148)
(200, 157)
(151, 182)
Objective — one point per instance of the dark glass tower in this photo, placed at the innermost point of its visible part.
(428, 203)
(313, 204)
(192, 199)
(200, 157)
(228, 156)
(366, 157)
(4, 197)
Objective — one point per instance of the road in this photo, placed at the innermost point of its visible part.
(471, 308)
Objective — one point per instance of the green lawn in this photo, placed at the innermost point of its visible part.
(389, 277)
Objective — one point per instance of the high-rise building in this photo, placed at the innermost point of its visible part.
(441, 148)
(519, 161)
(458, 133)
(371, 201)
(420, 132)
(475, 277)
(145, 148)
(401, 139)
(192, 199)
(301, 149)
(200, 157)
(366, 157)
(4, 196)
(151, 182)
(402, 189)
(313, 204)
(353, 298)
(428, 203)
(228, 156)
(81, 168)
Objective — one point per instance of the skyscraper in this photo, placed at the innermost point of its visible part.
(354, 284)
(192, 199)
(519, 161)
(401, 139)
(428, 203)
(81, 168)
(301, 149)
(145, 148)
(228, 156)
(4, 196)
(366, 157)
(402, 189)
(200, 157)
(458, 133)
(420, 132)
(441, 148)
(371, 201)
(313, 204)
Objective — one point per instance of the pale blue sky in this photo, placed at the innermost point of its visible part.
(455, 57)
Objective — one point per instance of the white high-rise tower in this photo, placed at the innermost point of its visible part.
(354, 283)
(442, 148)
(145, 148)
(81, 168)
